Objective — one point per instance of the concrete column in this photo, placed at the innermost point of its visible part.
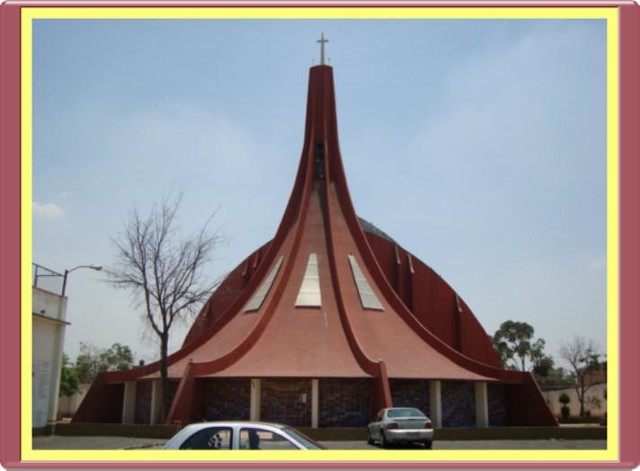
(156, 400)
(435, 403)
(482, 404)
(256, 390)
(129, 403)
(315, 402)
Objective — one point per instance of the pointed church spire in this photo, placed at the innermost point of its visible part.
(322, 41)
(321, 132)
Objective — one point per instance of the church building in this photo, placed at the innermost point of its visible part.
(325, 324)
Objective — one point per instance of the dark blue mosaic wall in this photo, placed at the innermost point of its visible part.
(344, 403)
(286, 401)
(171, 393)
(228, 399)
(411, 393)
(497, 405)
(142, 412)
(458, 404)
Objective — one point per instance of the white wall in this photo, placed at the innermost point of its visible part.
(49, 313)
(67, 406)
(597, 390)
(49, 304)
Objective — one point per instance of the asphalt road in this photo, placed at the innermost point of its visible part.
(115, 443)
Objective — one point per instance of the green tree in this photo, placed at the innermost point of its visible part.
(543, 366)
(517, 349)
(584, 358)
(87, 362)
(69, 379)
(117, 357)
(555, 378)
(93, 360)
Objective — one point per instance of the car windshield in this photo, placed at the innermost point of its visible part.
(309, 443)
(404, 412)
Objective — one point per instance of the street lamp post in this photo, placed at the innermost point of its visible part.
(66, 273)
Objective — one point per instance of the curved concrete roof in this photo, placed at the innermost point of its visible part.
(340, 337)
(372, 311)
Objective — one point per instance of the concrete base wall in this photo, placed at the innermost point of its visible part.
(497, 433)
(116, 430)
(348, 434)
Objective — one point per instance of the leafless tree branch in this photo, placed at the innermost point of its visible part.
(163, 271)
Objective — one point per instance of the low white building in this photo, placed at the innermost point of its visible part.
(49, 324)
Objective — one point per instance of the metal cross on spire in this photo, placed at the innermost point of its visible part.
(322, 40)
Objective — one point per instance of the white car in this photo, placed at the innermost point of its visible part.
(238, 435)
(401, 425)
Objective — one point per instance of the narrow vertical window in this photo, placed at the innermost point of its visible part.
(367, 296)
(259, 296)
(319, 161)
(309, 294)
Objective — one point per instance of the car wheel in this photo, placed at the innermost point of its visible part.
(428, 444)
(383, 440)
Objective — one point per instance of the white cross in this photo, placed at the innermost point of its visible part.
(322, 41)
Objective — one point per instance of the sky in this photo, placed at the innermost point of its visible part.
(478, 145)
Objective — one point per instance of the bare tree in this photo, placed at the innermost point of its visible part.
(584, 358)
(164, 271)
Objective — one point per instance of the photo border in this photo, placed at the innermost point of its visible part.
(618, 198)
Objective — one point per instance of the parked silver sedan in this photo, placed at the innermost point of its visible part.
(238, 435)
(401, 425)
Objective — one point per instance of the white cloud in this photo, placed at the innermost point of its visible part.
(47, 210)
(64, 194)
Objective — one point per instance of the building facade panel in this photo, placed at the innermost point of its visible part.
(497, 405)
(344, 402)
(286, 401)
(228, 399)
(411, 393)
(458, 404)
(171, 393)
(142, 414)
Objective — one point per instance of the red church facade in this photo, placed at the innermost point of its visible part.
(325, 324)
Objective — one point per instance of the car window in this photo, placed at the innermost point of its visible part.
(405, 413)
(260, 439)
(213, 438)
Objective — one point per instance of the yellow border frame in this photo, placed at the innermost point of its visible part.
(610, 455)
